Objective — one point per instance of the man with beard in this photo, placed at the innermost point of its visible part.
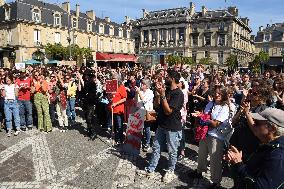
(90, 101)
(24, 100)
(170, 100)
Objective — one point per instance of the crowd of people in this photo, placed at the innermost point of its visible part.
(235, 117)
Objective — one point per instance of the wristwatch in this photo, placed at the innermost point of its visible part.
(163, 97)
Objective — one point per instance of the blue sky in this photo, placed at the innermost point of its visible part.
(260, 12)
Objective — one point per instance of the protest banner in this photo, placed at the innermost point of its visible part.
(111, 86)
(134, 132)
(20, 66)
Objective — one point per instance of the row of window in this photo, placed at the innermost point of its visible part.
(37, 40)
(195, 39)
(36, 17)
(112, 47)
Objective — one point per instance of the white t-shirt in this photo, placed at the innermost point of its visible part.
(10, 92)
(219, 113)
(148, 100)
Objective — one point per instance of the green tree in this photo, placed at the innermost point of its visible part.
(56, 51)
(254, 66)
(205, 61)
(232, 62)
(173, 60)
(263, 58)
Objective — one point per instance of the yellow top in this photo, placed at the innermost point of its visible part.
(71, 90)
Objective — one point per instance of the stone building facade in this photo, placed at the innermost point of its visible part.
(184, 31)
(28, 25)
(271, 40)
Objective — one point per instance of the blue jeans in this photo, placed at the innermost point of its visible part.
(71, 108)
(172, 139)
(11, 109)
(146, 134)
(26, 113)
(118, 127)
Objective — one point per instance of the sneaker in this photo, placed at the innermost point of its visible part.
(30, 127)
(16, 133)
(145, 173)
(181, 157)
(169, 177)
(146, 149)
(195, 174)
(23, 128)
(9, 133)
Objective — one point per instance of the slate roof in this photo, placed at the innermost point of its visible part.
(21, 11)
(275, 30)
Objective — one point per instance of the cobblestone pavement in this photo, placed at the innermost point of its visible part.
(72, 160)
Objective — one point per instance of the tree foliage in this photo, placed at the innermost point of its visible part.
(205, 61)
(232, 62)
(58, 52)
(259, 60)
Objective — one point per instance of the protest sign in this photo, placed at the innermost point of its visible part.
(20, 66)
(111, 86)
(134, 132)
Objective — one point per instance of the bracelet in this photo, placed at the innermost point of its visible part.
(163, 97)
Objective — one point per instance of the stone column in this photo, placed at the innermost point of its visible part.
(149, 36)
(177, 36)
(158, 37)
(141, 38)
(167, 35)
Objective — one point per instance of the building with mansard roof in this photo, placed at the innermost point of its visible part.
(28, 25)
(184, 31)
(271, 40)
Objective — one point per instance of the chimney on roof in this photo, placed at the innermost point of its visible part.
(192, 8)
(260, 28)
(145, 13)
(66, 7)
(77, 10)
(91, 14)
(234, 11)
(245, 20)
(204, 11)
(107, 19)
(267, 26)
(2, 2)
(127, 19)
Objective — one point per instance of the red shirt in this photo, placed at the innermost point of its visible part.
(120, 94)
(24, 89)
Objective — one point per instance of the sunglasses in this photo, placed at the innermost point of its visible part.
(36, 75)
(196, 78)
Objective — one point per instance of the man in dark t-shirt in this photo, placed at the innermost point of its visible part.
(170, 102)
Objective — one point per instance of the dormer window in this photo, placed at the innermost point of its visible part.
(7, 13)
(74, 22)
(57, 19)
(164, 14)
(120, 33)
(111, 31)
(89, 26)
(36, 15)
(101, 29)
(128, 34)
(267, 37)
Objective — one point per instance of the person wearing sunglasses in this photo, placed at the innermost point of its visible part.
(40, 89)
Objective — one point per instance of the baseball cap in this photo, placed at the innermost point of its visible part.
(273, 115)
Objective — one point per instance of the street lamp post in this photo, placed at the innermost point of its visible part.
(69, 37)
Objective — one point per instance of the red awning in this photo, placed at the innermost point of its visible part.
(116, 57)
